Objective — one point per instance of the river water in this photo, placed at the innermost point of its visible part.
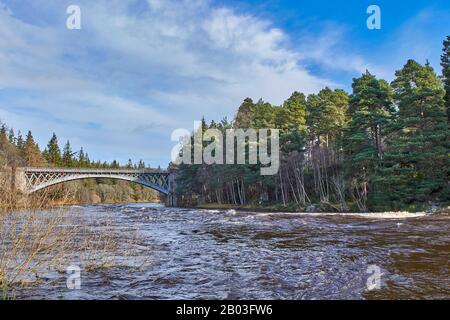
(224, 254)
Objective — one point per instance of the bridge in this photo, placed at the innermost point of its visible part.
(29, 180)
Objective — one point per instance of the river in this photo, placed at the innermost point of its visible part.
(224, 254)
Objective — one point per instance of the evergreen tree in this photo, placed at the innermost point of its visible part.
(11, 137)
(19, 141)
(445, 63)
(416, 162)
(130, 164)
(81, 158)
(3, 138)
(327, 115)
(370, 110)
(53, 154)
(67, 157)
(244, 116)
(87, 161)
(213, 125)
(115, 165)
(292, 116)
(31, 153)
(263, 116)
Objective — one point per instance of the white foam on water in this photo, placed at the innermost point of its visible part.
(231, 211)
(212, 211)
(391, 215)
(369, 215)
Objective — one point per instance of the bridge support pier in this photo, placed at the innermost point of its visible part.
(18, 180)
(171, 198)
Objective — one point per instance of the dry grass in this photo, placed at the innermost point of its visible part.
(30, 242)
(34, 239)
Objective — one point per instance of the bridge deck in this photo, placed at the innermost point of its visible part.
(76, 170)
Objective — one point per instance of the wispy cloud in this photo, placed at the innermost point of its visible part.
(148, 67)
(419, 37)
(136, 63)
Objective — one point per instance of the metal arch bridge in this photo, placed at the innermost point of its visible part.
(30, 180)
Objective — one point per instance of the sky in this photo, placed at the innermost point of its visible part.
(139, 69)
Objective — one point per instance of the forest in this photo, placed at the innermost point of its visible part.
(382, 147)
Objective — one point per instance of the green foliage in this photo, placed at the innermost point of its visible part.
(384, 147)
(327, 115)
(11, 137)
(67, 156)
(20, 143)
(370, 110)
(415, 167)
(3, 137)
(292, 116)
(53, 152)
(31, 153)
(244, 116)
(445, 63)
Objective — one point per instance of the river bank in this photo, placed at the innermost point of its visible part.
(312, 209)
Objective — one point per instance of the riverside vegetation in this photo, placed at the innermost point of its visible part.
(35, 240)
(383, 147)
(16, 151)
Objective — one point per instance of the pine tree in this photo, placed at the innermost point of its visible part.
(11, 137)
(67, 157)
(87, 161)
(291, 120)
(244, 116)
(53, 153)
(213, 125)
(327, 115)
(416, 160)
(130, 164)
(445, 63)
(263, 116)
(292, 116)
(81, 158)
(3, 138)
(370, 110)
(115, 164)
(31, 153)
(19, 141)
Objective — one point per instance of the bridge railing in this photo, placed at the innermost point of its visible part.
(93, 171)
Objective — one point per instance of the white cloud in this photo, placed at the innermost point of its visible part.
(164, 63)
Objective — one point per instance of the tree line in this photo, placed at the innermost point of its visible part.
(18, 151)
(384, 146)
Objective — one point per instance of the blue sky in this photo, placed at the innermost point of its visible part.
(138, 69)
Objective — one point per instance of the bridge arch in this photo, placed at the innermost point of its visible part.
(31, 180)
